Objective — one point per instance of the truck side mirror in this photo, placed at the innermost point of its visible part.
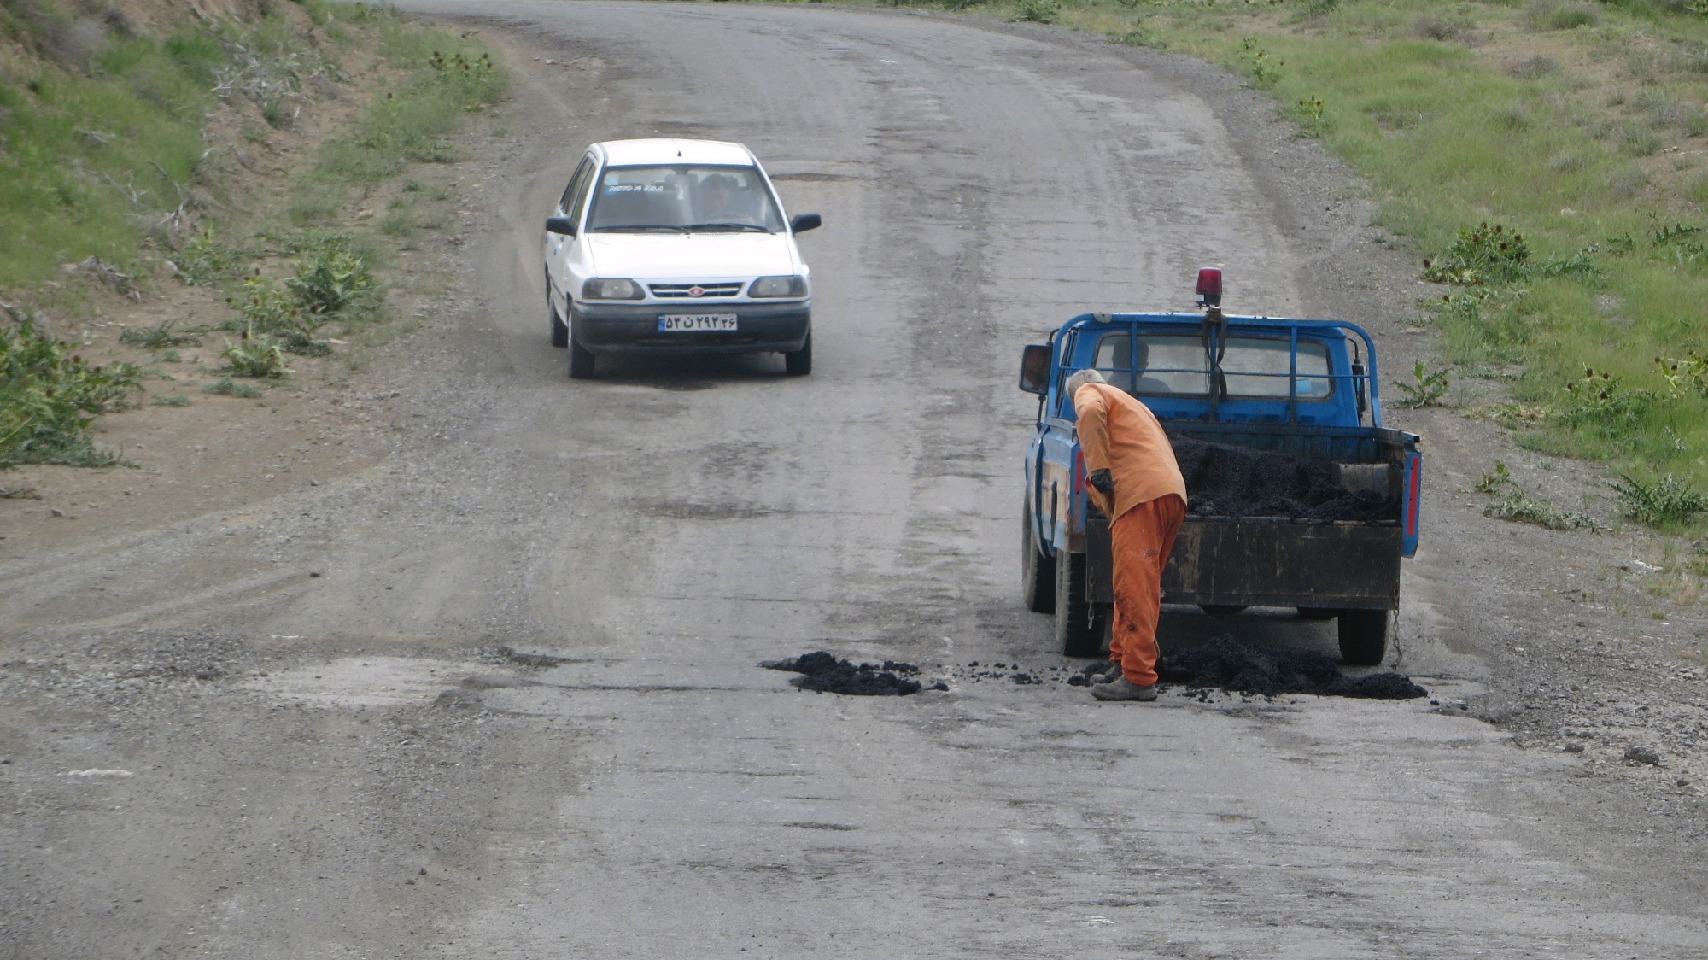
(563, 225)
(1035, 368)
(802, 222)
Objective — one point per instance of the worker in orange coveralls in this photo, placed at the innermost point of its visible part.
(1134, 478)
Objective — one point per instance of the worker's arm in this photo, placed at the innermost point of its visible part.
(1092, 410)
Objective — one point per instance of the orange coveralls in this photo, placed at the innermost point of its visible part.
(1119, 434)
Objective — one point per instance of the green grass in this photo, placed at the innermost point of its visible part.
(102, 150)
(451, 77)
(85, 154)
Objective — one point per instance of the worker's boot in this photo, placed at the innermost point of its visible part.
(1109, 673)
(1123, 689)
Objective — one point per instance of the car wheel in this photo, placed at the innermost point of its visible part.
(1037, 572)
(580, 358)
(1363, 637)
(799, 363)
(560, 330)
(1079, 630)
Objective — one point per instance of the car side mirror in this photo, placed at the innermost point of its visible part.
(563, 225)
(802, 222)
(1035, 368)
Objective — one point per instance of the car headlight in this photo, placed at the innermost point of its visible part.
(794, 286)
(608, 289)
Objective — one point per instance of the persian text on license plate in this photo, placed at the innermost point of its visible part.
(695, 322)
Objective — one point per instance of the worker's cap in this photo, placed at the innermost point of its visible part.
(1081, 378)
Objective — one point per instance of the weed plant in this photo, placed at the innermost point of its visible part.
(1668, 502)
(227, 387)
(159, 336)
(1426, 389)
(205, 261)
(50, 395)
(261, 356)
(332, 285)
(1508, 501)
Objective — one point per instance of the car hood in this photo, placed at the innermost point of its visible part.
(693, 256)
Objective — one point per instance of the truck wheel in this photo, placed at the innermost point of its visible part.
(560, 330)
(1079, 630)
(1037, 572)
(799, 363)
(1363, 637)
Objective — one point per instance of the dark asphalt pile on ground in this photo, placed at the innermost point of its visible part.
(823, 673)
(1224, 663)
(1232, 481)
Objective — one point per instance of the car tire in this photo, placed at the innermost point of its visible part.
(799, 363)
(1037, 572)
(581, 360)
(1079, 628)
(1363, 637)
(560, 330)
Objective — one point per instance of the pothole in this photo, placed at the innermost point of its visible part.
(363, 681)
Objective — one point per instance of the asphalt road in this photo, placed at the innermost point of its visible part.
(518, 711)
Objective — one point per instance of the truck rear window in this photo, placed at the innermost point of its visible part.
(1174, 365)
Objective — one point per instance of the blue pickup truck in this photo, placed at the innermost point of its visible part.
(1300, 497)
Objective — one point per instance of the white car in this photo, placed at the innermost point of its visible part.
(666, 246)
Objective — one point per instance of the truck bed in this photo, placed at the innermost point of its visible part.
(1266, 527)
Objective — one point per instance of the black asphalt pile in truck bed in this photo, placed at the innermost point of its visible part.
(1223, 663)
(824, 673)
(1232, 481)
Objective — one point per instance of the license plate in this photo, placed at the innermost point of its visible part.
(695, 322)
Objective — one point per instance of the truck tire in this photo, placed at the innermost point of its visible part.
(1079, 629)
(560, 330)
(1037, 572)
(1363, 637)
(799, 363)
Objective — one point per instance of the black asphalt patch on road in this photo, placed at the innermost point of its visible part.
(823, 673)
(1224, 663)
(1219, 664)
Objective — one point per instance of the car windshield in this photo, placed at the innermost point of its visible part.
(683, 198)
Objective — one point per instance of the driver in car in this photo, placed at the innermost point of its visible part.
(724, 203)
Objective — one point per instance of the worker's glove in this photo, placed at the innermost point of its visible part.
(1102, 482)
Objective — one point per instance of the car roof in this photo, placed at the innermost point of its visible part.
(627, 153)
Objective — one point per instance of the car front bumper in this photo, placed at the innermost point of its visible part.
(633, 328)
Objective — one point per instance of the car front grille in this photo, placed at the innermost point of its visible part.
(680, 291)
